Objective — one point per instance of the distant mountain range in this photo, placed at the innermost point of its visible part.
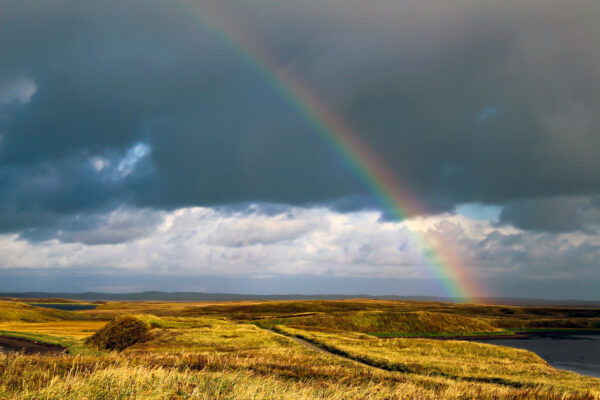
(196, 296)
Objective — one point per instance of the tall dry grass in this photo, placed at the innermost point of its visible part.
(188, 377)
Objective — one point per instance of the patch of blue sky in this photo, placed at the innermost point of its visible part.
(479, 211)
(132, 157)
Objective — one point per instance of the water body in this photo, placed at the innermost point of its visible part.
(67, 306)
(572, 352)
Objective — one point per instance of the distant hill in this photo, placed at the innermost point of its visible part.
(197, 296)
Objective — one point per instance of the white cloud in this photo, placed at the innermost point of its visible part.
(205, 240)
(309, 241)
(118, 166)
(18, 90)
(99, 163)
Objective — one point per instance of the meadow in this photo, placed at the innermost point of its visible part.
(286, 350)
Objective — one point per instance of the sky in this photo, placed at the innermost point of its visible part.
(146, 145)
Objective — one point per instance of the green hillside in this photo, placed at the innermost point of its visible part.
(418, 322)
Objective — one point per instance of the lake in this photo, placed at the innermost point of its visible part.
(67, 306)
(573, 352)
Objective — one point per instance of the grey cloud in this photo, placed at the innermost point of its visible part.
(261, 224)
(40, 195)
(116, 280)
(19, 91)
(552, 257)
(557, 214)
(118, 226)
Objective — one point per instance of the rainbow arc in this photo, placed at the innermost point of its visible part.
(381, 181)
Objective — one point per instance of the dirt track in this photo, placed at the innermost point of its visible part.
(8, 344)
(313, 347)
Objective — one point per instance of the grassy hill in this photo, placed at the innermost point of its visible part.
(250, 310)
(20, 312)
(417, 323)
(404, 316)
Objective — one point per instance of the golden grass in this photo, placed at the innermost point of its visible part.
(496, 316)
(213, 351)
(68, 329)
(416, 323)
(185, 376)
(155, 378)
(457, 360)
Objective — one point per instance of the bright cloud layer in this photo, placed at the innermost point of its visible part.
(294, 241)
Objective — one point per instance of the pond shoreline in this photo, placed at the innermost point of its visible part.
(518, 335)
(482, 337)
(572, 351)
(66, 306)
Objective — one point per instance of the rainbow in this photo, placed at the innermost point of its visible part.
(444, 264)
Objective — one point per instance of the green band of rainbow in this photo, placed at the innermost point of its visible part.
(448, 268)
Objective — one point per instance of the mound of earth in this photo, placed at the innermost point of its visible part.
(121, 333)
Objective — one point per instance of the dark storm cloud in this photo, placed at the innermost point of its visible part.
(41, 194)
(561, 214)
(466, 101)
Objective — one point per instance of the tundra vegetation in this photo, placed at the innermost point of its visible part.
(260, 350)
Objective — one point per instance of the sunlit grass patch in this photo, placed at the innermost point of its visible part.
(159, 377)
(385, 323)
(458, 360)
(210, 335)
(70, 329)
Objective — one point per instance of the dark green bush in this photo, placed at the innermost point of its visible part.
(121, 333)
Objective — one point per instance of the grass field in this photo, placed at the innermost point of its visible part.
(459, 360)
(69, 329)
(246, 350)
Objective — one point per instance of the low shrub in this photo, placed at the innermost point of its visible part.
(121, 333)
